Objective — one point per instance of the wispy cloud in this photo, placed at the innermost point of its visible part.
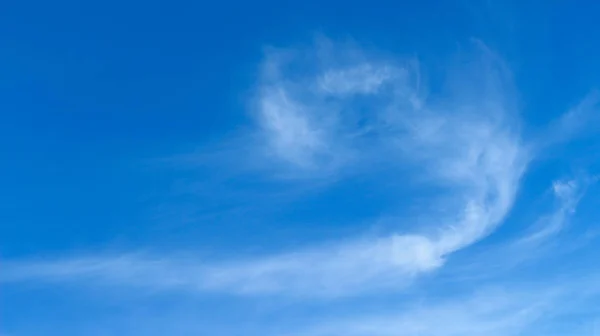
(503, 309)
(317, 115)
(581, 120)
(490, 312)
(567, 193)
(360, 79)
(537, 240)
(290, 131)
(467, 145)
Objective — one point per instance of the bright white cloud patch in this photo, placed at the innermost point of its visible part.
(292, 134)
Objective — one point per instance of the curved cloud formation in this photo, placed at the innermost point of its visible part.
(335, 111)
(334, 117)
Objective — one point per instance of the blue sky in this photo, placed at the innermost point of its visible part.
(300, 168)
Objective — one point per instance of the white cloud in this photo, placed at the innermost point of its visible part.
(492, 312)
(360, 79)
(291, 133)
(465, 143)
(579, 121)
(568, 193)
(468, 145)
(542, 307)
(307, 111)
(330, 271)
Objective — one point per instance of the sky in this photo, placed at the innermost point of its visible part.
(307, 168)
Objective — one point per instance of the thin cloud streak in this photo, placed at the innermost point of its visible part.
(494, 313)
(568, 193)
(536, 242)
(502, 309)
